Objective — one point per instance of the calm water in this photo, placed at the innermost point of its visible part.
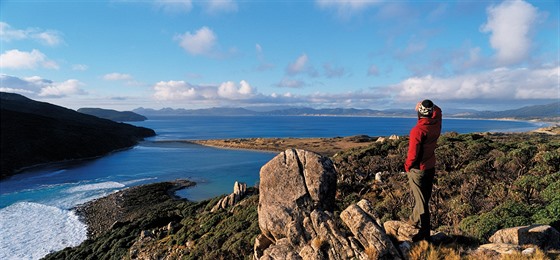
(35, 206)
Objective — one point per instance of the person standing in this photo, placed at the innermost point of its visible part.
(420, 164)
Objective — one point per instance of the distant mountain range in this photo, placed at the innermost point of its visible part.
(541, 112)
(35, 133)
(117, 116)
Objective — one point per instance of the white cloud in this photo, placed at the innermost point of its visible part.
(185, 6)
(47, 37)
(510, 25)
(290, 83)
(301, 65)
(502, 84)
(220, 6)
(117, 76)
(230, 90)
(63, 89)
(202, 42)
(16, 59)
(9, 34)
(346, 8)
(36, 86)
(174, 6)
(174, 90)
(181, 90)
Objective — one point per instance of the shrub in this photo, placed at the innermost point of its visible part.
(509, 214)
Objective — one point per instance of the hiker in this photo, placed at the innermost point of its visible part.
(420, 164)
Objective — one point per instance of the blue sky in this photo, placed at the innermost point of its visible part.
(326, 53)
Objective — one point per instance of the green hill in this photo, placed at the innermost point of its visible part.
(36, 133)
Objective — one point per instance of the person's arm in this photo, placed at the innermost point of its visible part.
(414, 147)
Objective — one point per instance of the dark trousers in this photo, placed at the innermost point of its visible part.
(421, 183)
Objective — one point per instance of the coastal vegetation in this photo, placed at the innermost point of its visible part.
(485, 182)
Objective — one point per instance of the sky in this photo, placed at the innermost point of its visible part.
(122, 55)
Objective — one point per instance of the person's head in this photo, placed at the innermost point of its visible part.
(425, 108)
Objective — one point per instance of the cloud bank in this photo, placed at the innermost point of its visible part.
(46, 37)
(510, 26)
(16, 59)
(39, 87)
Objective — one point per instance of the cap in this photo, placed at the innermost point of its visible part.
(425, 107)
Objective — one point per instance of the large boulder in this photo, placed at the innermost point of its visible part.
(544, 236)
(292, 185)
(296, 199)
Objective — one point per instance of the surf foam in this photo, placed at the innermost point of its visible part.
(36, 230)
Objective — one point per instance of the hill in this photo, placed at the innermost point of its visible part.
(549, 112)
(528, 112)
(37, 132)
(118, 116)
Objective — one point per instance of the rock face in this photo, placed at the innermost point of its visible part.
(297, 192)
(292, 185)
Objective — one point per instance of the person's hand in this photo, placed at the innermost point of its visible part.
(418, 105)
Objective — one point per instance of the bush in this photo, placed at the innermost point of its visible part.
(509, 214)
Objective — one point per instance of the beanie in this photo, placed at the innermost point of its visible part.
(425, 108)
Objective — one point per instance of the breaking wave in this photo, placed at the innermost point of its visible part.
(35, 230)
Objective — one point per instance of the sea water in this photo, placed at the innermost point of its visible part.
(36, 214)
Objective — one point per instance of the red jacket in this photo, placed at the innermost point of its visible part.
(423, 141)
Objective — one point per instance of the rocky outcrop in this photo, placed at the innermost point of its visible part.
(399, 230)
(382, 139)
(511, 240)
(522, 239)
(292, 185)
(296, 199)
(361, 221)
(239, 190)
(543, 236)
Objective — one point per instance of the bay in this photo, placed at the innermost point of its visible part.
(38, 203)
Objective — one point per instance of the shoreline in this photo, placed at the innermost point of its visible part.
(327, 146)
(124, 206)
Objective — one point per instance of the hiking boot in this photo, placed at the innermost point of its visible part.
(421, 236)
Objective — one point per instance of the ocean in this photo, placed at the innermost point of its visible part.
(36, 214)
